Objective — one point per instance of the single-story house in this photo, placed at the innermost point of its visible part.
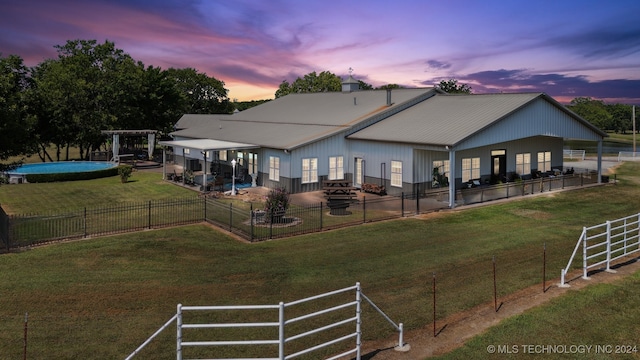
(403, 139)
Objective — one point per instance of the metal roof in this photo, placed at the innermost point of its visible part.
(297, 119)
(208, 144)
(447, 119)
(197, 120)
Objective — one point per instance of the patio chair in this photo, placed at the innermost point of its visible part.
(176, 177)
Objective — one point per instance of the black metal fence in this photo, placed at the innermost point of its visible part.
(248, 220)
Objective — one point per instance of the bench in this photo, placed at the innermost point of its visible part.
(339, 193)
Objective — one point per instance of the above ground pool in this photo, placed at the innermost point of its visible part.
(61, 167)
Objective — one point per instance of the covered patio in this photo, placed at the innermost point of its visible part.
(201, 164)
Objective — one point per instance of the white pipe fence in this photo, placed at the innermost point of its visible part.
(628, 156)
(280, 324)
(605, 243)
(574, 154)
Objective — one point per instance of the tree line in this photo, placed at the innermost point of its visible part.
(67, 101)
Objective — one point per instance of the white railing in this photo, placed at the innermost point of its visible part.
(628, 156)
(574, 154)
(281, 323)
(605, 243)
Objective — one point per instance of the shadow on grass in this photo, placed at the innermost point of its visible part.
(370, 355)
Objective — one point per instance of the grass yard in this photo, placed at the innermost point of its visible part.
(598, 322)
(60, 197)
(101, 298)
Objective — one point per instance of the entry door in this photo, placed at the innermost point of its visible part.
(498, 165)
(358, 173)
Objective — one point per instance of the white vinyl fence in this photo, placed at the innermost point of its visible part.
(574, 154)
(628, 156)
(605, 243)
(280, 324)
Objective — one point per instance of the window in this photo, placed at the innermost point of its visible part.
(544, 161)
(223, 155)
(336, 168)
(443, 167)
(253, 157)
(309, 170)
(396, 173)
(241, 158)
(523, 164)
(470, 169)
(186, 151)
(274, 168)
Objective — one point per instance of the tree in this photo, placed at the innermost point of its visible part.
(620, 117)
(390, 87)
(594, 111)
(451, 86)
(244, 105)
(81, 93)
(311, 83)
(15, 122)
(200, 93)
(150, 98)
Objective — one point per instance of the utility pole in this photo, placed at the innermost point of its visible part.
(633, 121)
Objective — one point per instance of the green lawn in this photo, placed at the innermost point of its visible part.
(62, 197)
(101, 298)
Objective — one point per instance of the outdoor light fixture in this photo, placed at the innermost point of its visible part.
(233, 178)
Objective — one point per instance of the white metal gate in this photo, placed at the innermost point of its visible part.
(280, 323)
(605, 243)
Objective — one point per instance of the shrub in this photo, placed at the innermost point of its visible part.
(125, 172)
(276, 203)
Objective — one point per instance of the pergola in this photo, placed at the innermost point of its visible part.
(199, 149)
(151, 137)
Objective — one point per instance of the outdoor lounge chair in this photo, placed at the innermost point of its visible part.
(176, 177)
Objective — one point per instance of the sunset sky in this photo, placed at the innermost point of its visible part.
(565, 48)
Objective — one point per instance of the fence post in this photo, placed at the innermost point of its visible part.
(251, 219)
(179, 332)
(402, 204)
(584, 254)
(281, 331)
(364, 209)
(418, 199)
(84, 224)
(608, 246)
(358, 319)
(321, 211)
(204, 205)
(149, 216)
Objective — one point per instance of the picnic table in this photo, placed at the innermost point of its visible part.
(339, 193)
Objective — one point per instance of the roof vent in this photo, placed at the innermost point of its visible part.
(388, 97)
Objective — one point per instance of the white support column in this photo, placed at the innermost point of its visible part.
(204, 171)
(452, 179)
(164, 163)
(599, 161)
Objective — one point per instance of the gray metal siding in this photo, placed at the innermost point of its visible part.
(537, 118)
